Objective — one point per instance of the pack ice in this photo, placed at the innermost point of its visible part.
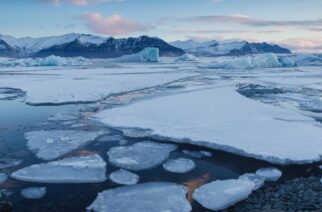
(46, 61)
(84, 169)
(221, 194)
(179, 165)
(34, 193)
(221, 118)
(51, 144)
(147, 197)
(139, 156)
(124, 177)
(149, 54)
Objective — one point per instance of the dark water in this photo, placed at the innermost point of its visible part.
(18, 118)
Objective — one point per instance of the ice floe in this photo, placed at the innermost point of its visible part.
(9, 162)
(187, 57)
(179, 165)
(221, 194)
(3, 178)
(85, 85)
(147, 197)
(84, 169)
(34, 193)
(268, 60)
(197, 154)
(221, 118)
(139, 156)
(149, 54)
(10, 93)
(51, 144)
(124, 177)
(46, 61)
(269, 174)
(256, 179)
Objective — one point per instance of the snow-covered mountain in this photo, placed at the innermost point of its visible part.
(215, 48)
(90, 46)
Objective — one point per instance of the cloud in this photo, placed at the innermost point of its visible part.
(245, 20)
(81, 2)
(303, 44)
(112, 25)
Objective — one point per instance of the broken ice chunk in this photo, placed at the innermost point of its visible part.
(222, 194)
(139, 156)
(124, 177)
(269, 174)
(85, 169)
(179, 165)
(34, 193)
(197, 154)
(52, 144)
(258, 180)
(147, 197)
(3, 178)
(9, 162)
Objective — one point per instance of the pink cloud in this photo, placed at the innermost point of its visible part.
(81, 2)
(303, 44)
(112, 25)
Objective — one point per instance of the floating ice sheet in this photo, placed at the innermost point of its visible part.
(124, 177)
(139, 156)
(269, 174)
(221, 118)
(221, 194)
(179, 165)
(147, 197)
(85, 169)
(34, 193)
(52, 144)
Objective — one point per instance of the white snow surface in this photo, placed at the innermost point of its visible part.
(140, 156)
(221, 194)
(149, 54)
(221, 118)
(179, 165)
(146, 197)
(34, 193)
(269, 174)
(51, 144)
(124, 177)
(46, 61)
(84, 169)
(86, 85)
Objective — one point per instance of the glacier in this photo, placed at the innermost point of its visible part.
(221, 194)
(83, 169)
(46, 61)
(220, 118)
(146, 197)
(124, 177)
(34, 193)
(179, 165)
(51, 144)
(149, 54)
(140, 156)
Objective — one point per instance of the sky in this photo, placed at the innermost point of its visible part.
(296, 24)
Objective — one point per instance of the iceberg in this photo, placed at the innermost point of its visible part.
(3, 178)
(139, 156)
(149, 54)
(269, 174)
(268, 60)
(197, 117)
(51, 144)
(85, 169)
(256, 179)
(187, 58)
(309, 59)
(146, 197)
(221, 194)
(46, 61)
(124, 177)
(179, 165)
(34, 193)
